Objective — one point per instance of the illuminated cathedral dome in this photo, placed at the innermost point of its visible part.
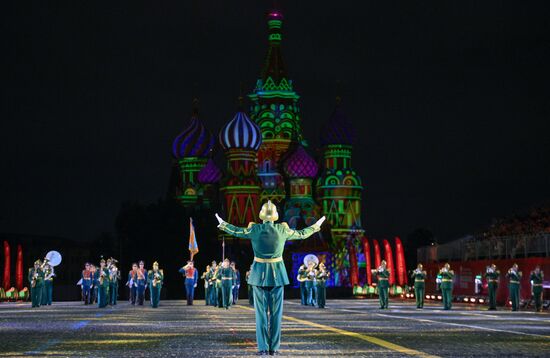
(301, 165)
(241, 133)
(210, 173)
(338, 129)
(195, 140)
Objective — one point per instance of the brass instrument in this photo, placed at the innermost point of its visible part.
(35, 274)
(156, 279)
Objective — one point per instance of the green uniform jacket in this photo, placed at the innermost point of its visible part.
(106, 280)
(537, 281)
(492, 278)
(39, 278)
(447, 280)
(383, 278)
(419, 278)
(268, 241)
(226, 274)
(514, 278)
(151, 277)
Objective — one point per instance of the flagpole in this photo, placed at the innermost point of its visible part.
(223, 248)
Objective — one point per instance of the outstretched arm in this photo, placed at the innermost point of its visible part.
(304, 233)
(241, 232)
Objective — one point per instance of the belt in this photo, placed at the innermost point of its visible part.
(268, 261)
(382, 279)
(514, 281)
(227, 278)
(446, 280)
(418, 280)
(537, 284)
(492, 280)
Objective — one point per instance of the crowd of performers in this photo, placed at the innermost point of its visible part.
(221, 284)
(100, 284)
(313, 277)
(444, 282)
(41, 281)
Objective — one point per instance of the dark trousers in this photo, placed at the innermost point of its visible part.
(140, 294)
(235, 294)
(303, 293)
(189, 290)
(133, 294)
(419, 294)
(537, 295)
(492, 296)
(514, 296)
(86, 294)
(113, 293)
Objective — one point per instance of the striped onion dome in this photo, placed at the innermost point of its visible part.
(241, 133)
(210, 173)
(194, 141)
(301, 165)
(338, 129)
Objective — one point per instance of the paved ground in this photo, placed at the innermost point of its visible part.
(344, 328)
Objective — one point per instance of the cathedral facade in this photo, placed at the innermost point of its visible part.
(267, 159)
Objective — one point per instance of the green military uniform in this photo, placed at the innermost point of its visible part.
(383, 287)
(302, 277)
(249, 289)
(156, 278)
(218, 288)
(492, 286)
(204, 277)
(268, 275)
(36, 278)
(536, 279)
(47, 292)
(514, 278)
(113, 285)
(213, 289)
(419, 286)
(447, 288)
(227, 277)
(322, 276)
(103, 289)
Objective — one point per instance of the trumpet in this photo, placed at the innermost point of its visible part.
(101, 277)
(490, 270)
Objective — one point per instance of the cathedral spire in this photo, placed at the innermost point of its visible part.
(274, 66)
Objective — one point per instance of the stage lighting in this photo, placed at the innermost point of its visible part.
(473, 300)
(433, 297)
(439, 298)
(427, 297)
(546, 304)
(481, 300)
(465, 299)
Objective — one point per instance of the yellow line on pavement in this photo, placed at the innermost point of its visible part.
(364, 337)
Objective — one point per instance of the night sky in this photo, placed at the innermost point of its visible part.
(451, 101)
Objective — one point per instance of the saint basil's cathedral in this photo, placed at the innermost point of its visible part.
(267, 159)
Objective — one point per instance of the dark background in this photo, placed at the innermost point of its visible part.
(450, 99)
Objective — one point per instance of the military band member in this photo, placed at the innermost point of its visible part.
(237, 284)
(268, 275)
(141, 283)
(311, 273)
(322, 276)
(249, 288)
(49, 274)
(95, 283)
(537, 276)
(447, 276)
(191, 277)
(227, 277)
(212, 282)
(87, 281)
(492, 276)
(133, 283)
(514, 278)
(419, 276)
(114, 277)
(103, 289)
(204, 277)
(156, 277)
(302, 277)
(382, 277)
(36, 279)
